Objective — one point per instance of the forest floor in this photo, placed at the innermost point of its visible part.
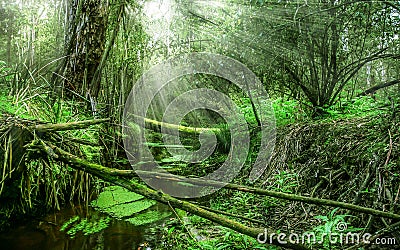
(352, 160)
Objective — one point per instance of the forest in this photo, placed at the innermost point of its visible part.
(199, 124)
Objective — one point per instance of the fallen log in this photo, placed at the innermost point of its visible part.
(279, 195)
(110, 176)
(156, 125)
(254, 190)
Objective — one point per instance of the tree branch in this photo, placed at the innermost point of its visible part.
(379, 86)
(66, 126)
(156, 125)
(87, 166)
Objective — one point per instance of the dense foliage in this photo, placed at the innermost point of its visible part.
(330, 68)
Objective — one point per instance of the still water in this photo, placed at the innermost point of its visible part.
(44, 234)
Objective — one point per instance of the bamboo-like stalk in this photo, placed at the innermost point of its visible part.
(7, 151)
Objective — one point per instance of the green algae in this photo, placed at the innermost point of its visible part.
(148, 217)
(114, 195)
(129, 209)
(123, 204)
(85, 225)
(118, 203)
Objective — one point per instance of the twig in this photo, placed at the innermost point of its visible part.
(390, 148)
(183, 224)
(397, 195)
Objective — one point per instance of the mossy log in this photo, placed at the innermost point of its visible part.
(260, 191)
(255, 190)
(116, 177)
(109, 175)
(280, 195)
(156, 125)
(67, 126)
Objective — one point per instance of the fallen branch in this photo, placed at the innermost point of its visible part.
(292, 197)
(379, 86)
(254, 190)
(66, 126)
(280, 195)
(156, 125)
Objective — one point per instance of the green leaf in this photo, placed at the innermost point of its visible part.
(171, 230)
(69, 222)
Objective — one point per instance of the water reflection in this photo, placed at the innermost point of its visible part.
(45, 233)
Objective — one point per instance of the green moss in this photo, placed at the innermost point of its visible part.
(114, 195)
(119, 202)
(148, 217)
(128, 209)
(8, 105)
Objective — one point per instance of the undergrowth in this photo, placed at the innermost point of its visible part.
(40, 184)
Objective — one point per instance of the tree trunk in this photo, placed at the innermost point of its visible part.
(88, 23)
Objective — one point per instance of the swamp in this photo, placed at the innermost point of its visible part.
(199, 124)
